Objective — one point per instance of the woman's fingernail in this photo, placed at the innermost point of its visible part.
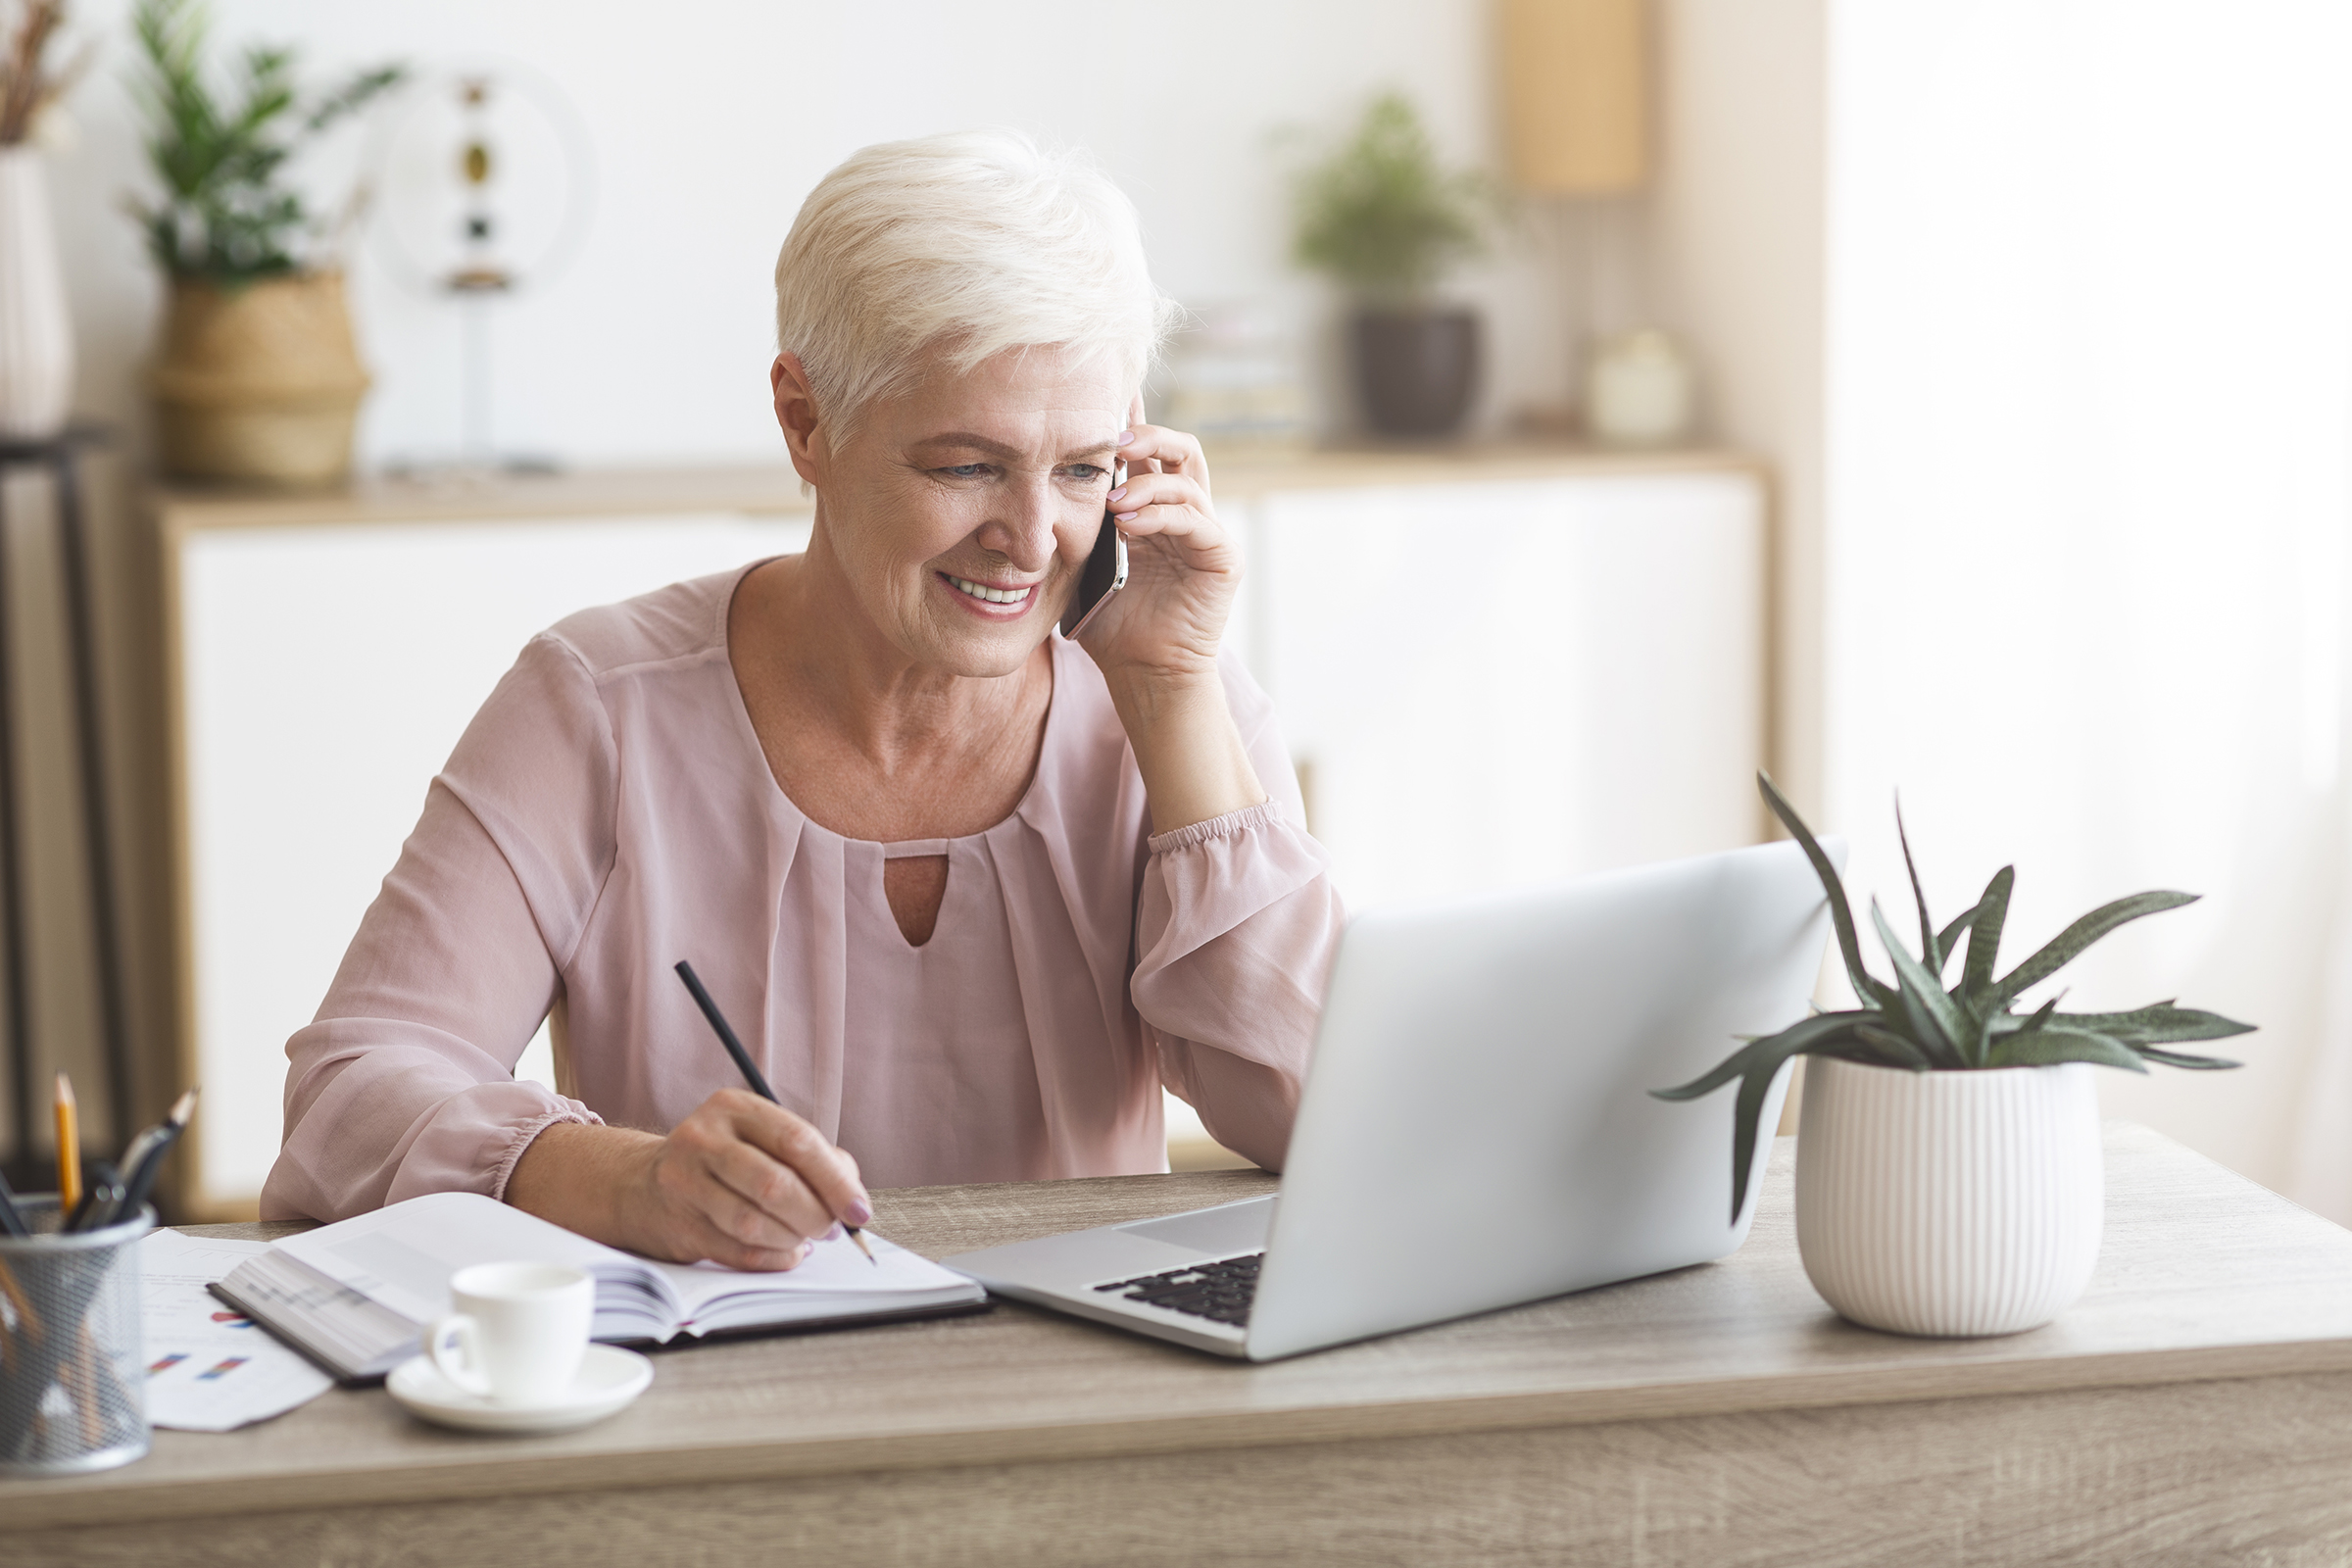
(1128, 517)
(1115, 494)
(833, 1233)
(1126, 436)
(858, 1212)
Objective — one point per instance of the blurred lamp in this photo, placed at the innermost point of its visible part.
(1576, 91)
(487, 184)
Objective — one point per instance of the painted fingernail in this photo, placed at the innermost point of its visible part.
(833, 1233)
(858, 1213)
(1115, 494)
(1128, 517)
(1126, 436)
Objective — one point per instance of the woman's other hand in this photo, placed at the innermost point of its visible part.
(741, 1181)
(1184, 566)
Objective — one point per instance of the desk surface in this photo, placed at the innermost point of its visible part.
(2204, 1276)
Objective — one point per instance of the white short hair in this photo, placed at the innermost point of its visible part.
(972, 243)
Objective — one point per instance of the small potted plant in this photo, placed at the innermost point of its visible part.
(1382, 218)
(259, 379)
(1948, 1169)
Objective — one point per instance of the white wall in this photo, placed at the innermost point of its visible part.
(2090, 472)
(1737, 232)
(2039, 311)
(711, 118)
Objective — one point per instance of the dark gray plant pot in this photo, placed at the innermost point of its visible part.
(1416, 371)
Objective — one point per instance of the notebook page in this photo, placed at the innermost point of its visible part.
(833, 1268)
(403, 1256)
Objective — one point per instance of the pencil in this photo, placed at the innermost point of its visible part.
(748, 1067)
(69, 1148)
(99, 1195)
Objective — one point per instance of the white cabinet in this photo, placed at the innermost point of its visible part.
(1491, 675)
(324, 671)
(1491, 684)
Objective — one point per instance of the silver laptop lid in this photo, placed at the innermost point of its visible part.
(1477, 1128)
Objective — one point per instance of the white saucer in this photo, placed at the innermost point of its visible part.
(608, 1377)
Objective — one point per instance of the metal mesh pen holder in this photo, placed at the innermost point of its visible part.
(72, 1393)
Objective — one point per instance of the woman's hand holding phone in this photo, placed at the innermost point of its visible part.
(1156, 641)
(1183, 566)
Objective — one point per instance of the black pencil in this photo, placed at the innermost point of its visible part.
(99, 1196)
(145, 1155)
(748, 1067)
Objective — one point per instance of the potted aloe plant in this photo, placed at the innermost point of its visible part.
(1387, 222)
(1948, 1169)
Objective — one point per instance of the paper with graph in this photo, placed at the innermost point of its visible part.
(211, 1369)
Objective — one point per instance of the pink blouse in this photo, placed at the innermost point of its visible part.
(610, 812)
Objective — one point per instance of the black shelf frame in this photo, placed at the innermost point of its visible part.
(60, 456)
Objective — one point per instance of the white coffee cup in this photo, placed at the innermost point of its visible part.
(519, 1334)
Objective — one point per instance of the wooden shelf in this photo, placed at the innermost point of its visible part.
(775, 490)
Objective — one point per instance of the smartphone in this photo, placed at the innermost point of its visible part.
(1106, 569)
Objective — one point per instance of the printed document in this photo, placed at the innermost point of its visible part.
(211, 1369)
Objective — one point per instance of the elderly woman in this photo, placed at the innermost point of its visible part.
(970, 893)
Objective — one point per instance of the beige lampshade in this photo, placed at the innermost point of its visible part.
(1576, 91)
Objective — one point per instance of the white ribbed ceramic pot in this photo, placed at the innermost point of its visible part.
(36, 329)
(1954, 1203)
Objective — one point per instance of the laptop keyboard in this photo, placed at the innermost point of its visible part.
(1220, 1292)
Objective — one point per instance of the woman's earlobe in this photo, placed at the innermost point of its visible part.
(796, 417)
(794, 398)
(798, 422)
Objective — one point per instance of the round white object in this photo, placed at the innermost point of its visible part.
(1949, 1203)
(608, 1377)
(1640, 391)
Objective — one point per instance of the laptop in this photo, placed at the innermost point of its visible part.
(1476, 1130)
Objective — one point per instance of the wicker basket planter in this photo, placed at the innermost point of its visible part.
(259, 385)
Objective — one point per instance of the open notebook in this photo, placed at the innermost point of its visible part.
(355, 1297)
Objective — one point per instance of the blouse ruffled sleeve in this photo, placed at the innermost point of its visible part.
(404, 1083)
(1236, 928)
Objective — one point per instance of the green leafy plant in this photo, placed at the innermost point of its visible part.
(1381, 216)
(227, 215)
(1916, 1023)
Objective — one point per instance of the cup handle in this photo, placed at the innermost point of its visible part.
(458, 1365)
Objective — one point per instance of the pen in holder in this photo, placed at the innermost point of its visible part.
(72, 1393)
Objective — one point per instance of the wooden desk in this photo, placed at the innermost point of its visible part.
(2195, 1408)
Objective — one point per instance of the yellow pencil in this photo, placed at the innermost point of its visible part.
(69, 1148)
